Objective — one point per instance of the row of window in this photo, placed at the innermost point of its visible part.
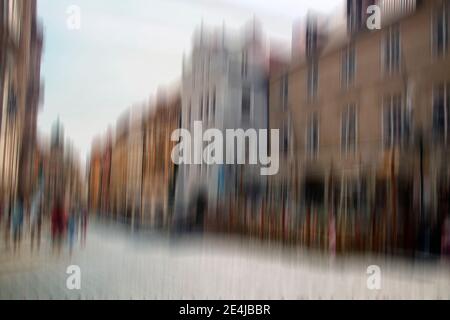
(396, 123)
(391, 54)
(207, 107)
(207, 63)
(11, 14)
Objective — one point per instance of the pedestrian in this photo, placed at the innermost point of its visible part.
(71, 228)
(84, 222)
(17, 222)
(8, 225)
(36, 219)
(58, 224)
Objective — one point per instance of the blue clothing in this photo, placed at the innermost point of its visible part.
(17, 219)
(71, 229)
(34, 210)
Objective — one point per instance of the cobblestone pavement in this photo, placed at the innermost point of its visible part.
(116, 264)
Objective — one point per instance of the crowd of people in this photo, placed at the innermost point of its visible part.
(63, 224)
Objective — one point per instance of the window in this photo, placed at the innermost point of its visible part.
(284, 91)
(213, 104)
(395, 122)
(312, 136)
(354, 15)
(207, 107)
(246, 102)
(392, 50)
(441, 113)
(244, 66)
(312, 81)
(12, 101)
(4, 11)
(201, 107)
(348, 129)
(311, 36)
(286, 137)
(189, 116)
(2, 89)
(202, 70)
(348, 67)
(441, 30)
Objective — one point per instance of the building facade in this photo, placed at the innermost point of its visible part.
(224, 86)
(20, 55)
(370, 127)
(131, 173)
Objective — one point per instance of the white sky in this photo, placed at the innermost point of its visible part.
(125, 50)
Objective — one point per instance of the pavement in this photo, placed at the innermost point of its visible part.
(117, 263)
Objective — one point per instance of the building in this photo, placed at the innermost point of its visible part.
(224, 86)
(159, 171)
(370, 126)
(95, 177)
(63, 179)
(20, 54)
(119, 165)
(29, 165)
(278, 218)
(131, 173)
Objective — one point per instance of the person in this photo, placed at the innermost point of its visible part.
(71, 227)
(36, 219)
(8, 218)
(84, 223)
(58, 223)
(17, 222)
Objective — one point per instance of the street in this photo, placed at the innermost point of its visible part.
(116, 264)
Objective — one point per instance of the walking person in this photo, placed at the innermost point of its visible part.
(36, 220)
(58, 224)
(17, 222)
(84, 222)
(71, 229)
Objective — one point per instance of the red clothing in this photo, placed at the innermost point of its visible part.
(58, 220)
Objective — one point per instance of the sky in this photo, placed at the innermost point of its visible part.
(125, 50)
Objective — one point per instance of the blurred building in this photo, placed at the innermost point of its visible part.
(159, 171)
(105, 173)
(224, 86)
(20, 55)
(29, 168)
(363, 117)
(61, 168)
(95, 177)
(100, 175)
(135, 149)
(282, 189)
(118, 173)
(132, 176)
(370, 119)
